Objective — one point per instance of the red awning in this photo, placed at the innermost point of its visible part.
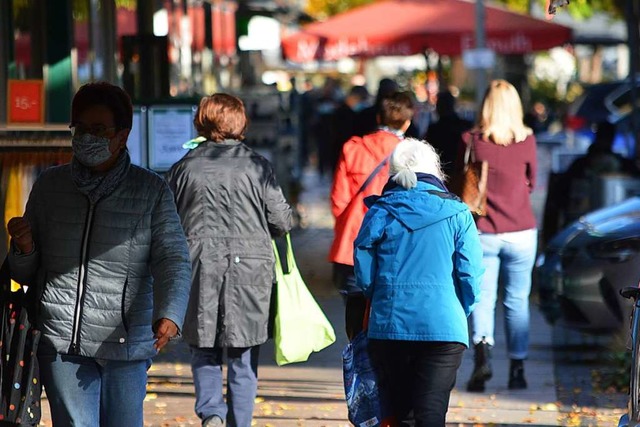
(407, 27)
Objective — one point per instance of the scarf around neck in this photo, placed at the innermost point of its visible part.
(396, 132)
(97, 186)
(422, 177)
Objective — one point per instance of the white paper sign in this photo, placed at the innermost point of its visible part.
(479, 58)
(169, 128)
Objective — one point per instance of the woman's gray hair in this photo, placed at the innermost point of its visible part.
(410, 157)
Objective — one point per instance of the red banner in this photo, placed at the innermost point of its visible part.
(217, 30)
(229, 19)
(223, 21)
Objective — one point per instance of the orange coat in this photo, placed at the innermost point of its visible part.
(360, 156)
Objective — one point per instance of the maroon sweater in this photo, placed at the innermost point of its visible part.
(512, 175)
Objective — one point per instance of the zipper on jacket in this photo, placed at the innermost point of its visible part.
(82, 282)
(123, 311)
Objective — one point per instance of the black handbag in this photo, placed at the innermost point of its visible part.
(20, 386)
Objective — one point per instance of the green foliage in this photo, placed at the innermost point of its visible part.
(321, 9)
(126, 4)
(545, 91)
(616, 376)
(21, 14)
(579, 9)
(80, 8)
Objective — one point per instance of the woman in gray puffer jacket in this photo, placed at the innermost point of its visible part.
(102, 248)
(230, 206)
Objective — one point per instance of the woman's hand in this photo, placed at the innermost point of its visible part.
(20, 231)
(165, 330)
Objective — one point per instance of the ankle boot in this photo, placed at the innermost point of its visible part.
(516, 375)
(482, 366)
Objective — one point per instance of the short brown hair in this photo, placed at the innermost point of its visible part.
(221, 116)
(103, 93)
(396, 110)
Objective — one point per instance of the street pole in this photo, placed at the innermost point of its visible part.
(481, 73)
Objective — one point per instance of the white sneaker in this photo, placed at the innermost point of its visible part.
(214, 421)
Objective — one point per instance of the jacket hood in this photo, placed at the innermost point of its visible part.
(380, 143)
(417, 207)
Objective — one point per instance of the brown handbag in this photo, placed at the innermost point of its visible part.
(470, 184)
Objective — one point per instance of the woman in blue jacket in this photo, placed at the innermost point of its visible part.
(418, 259)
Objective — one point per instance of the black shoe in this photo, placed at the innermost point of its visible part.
(482, 367)
(516, 375)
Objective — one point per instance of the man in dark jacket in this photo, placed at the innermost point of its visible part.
(230, 205)
(445, 135)
(344, 120)
(367, 119)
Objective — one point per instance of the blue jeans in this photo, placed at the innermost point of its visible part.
(242, 383)
(510, 258)
(86, 392)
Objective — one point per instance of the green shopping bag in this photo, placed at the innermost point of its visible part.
(300, 325)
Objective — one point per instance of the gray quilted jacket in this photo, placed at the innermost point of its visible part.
(231, 206)
(137, 268)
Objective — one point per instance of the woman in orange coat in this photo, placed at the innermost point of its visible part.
(362, 171)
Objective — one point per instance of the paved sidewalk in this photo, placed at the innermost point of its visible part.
(311, 394)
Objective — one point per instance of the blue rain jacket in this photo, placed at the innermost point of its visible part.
(418, 258)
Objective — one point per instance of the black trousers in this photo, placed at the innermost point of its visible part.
(417, 376)
(355, 302)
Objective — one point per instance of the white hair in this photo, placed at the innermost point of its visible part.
(411, 156)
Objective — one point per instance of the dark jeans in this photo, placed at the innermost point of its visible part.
(417, 376)
(355, 301)
(242, 383)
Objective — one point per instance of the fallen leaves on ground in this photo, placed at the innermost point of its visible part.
(544, 407)
(578, 416)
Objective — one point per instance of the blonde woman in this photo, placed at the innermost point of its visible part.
(507, 233)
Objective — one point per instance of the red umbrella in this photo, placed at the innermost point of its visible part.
(406, 27)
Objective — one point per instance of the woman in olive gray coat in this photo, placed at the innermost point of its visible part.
(230, 206)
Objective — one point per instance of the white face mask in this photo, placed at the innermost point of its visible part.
(91, 150)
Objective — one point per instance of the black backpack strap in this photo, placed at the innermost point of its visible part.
(373, 174)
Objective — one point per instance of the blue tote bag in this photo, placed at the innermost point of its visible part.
(366, 400)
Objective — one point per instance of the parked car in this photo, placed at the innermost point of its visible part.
(597, 103)
(583, 267)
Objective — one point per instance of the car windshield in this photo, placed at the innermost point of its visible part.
(591, 104)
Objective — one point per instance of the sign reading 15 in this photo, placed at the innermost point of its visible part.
(24, 102)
